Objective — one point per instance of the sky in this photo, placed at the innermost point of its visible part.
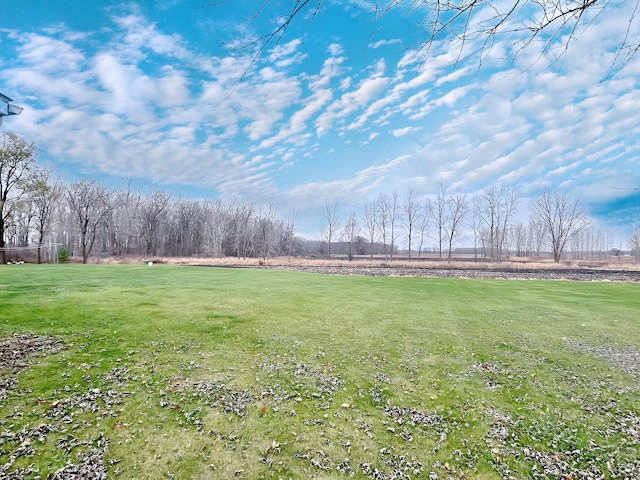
(345, 106)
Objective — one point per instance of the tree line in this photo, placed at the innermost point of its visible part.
(487, 220)
(38, 210)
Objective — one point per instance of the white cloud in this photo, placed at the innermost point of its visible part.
(285, 55)
(381, 43)
(51, 56)
(335, 49)
(141, 101)
(141, 36)
(401, 132)
(265, 105)
(364, 182)
(331, 68)
(298, 121)
(351, 102)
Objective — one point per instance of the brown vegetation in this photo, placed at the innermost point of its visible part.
(618, 269)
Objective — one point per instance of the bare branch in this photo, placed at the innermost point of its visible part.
(471, 23)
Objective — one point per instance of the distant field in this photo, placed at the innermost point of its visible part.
(191, 372)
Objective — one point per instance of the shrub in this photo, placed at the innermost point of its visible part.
(63, 255)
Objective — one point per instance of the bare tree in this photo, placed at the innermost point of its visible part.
(266, 223)
(330, 227)
(185, 228)
(611, 242)
(43, 192)
(350, 233)
(439, 210)
(109, 226)
(382, 209)
(218, 220)
(590, 243)
(89, 204)
(498, 208)
(19, 225)
(243, 213)
(537, 234)
(370, 225)
(412, 209)
(562, 217)
(151, 215)
(126, 205)
(423, 225)
(634, 242)
(17, 157)
(291, 229)
(394, 214)
(596, 243)
(457, 209)
(490, 211)
(475, 223)
(520, 239)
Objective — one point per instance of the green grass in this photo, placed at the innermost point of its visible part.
(190, 372)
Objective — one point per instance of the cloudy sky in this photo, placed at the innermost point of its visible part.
(180, 94)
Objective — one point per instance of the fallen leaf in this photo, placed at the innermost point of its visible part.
(274, 446)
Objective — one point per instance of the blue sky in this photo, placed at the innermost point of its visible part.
(343, 107)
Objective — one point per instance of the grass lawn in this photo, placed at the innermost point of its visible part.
(192, 372)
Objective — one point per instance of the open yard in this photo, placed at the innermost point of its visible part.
(137, 372)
